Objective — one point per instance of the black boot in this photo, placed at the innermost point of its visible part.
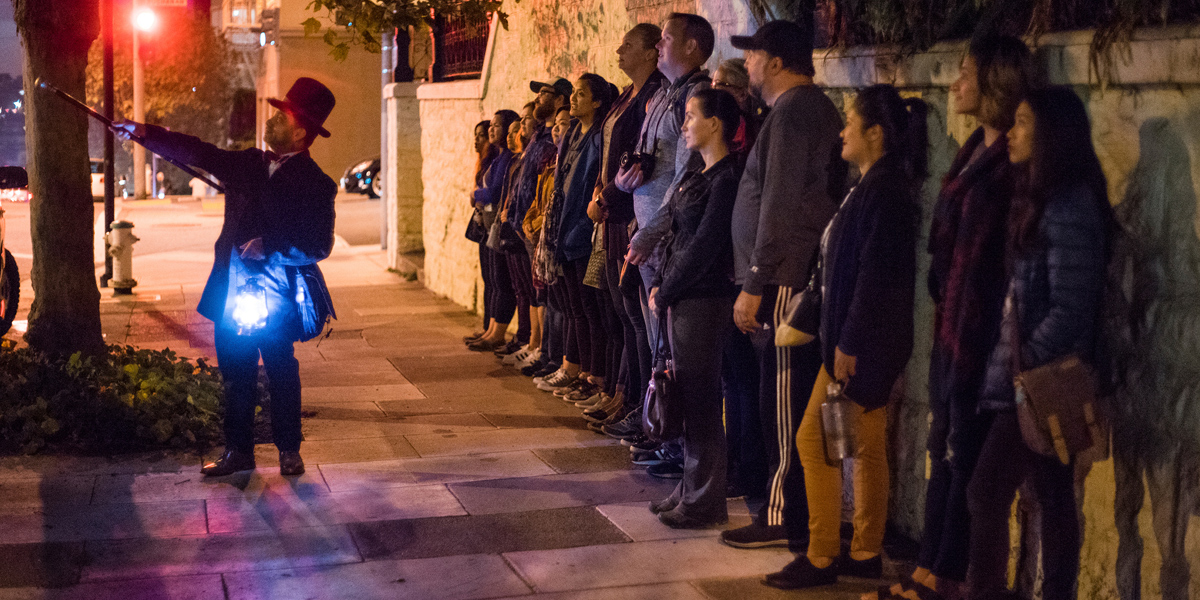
(230, 462)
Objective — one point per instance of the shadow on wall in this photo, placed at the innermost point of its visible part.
(1153, 322)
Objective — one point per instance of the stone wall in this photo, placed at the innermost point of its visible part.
(403, 186)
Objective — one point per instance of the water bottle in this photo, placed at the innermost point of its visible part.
(838, 423)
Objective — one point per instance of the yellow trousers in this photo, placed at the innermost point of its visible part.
(823, 482)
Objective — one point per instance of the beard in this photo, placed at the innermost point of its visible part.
(543, 112)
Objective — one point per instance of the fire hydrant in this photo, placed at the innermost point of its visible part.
(120, 247)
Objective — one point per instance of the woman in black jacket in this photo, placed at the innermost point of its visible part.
(1058, 255)
(866, 332)
(694, 286)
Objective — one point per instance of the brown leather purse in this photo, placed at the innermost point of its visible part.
(1056, 402)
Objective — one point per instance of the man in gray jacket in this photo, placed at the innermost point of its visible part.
(793, 180)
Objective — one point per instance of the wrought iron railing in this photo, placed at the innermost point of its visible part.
(461, 44)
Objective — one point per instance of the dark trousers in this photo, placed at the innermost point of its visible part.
(520, 273)
(485, 270)
(956, 435)
(553, 332)
(743, 425)
(585, 330)
(628, 308)
(237, 357)
(504, 298)
(614, 347)
(787, 376)
(1004, 464)
(697, 331)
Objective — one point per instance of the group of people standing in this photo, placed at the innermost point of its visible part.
(681, 216)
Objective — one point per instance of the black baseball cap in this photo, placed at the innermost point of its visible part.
(561, 86)
(783, 39)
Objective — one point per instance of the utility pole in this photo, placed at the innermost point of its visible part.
(106, 23)
(387, 50)
(144, 20)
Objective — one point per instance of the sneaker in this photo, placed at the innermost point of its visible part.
(755, 535)
(595, 401)
(541, 378)
(546, 369)
(517, 356)
(801, 573)
(579, 384)
(640, 442)
(582, 394)
(677, 520)
(666, 470)
(649, 458)
(535, 368)
(596, 427)
(512, 346)
(531, 358)
(558, 380)
(606, 413)
(628, 427)
(872, 568)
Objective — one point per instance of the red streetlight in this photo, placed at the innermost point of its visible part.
(145, 19)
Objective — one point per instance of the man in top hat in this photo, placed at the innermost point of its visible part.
(278, 223)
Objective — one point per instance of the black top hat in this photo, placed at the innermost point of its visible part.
(309, 101)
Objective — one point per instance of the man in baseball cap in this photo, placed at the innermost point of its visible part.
(783, 40)
(550, 97)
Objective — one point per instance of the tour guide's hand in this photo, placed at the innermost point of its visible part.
(843, 365)
(629, 179)
(745, 312)
(127, 129)
(651, 300)
(253, 250)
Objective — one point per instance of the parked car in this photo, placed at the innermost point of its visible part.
(12, 179)
(97, 179)
(363, 178)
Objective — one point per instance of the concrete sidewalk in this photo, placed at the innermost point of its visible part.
(433, 472)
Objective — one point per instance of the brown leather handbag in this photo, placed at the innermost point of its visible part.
(1056, 402)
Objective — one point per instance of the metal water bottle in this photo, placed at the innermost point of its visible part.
(838, 423)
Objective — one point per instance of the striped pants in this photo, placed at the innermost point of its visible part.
(787, 376)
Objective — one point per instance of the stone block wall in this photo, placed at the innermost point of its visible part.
(406, 191)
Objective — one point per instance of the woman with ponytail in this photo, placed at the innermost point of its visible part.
(866, 332)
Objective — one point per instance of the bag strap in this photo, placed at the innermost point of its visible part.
(662, 350)
(1012, 330)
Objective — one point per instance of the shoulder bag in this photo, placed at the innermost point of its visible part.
(662, 410)
(802, 321)
(1056, 402)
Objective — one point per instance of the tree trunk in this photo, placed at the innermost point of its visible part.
(65, 316)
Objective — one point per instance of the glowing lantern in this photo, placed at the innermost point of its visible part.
(250, 308)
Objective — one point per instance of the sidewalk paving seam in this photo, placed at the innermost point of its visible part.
(525, 580)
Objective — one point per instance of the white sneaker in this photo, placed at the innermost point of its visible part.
(593, 402)
(559, 373)
(560, 379)
(517, 356)
(530, 358)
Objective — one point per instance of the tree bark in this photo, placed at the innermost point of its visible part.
(65, 316)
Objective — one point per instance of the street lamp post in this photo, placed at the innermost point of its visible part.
(144, 20)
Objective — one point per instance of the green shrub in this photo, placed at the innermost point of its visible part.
(126, 399)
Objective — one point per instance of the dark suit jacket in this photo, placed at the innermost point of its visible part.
(292, 211)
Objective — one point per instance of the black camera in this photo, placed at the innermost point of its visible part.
(645, 161)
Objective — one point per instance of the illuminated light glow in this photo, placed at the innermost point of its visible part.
(262, 39)
(250, 308)
(144, 19)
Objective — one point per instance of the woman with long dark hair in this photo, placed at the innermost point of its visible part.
(1058, 244)
(502, 303)
(694, 286)
(966, 281)
(568, 241)
(869, 258)
(485, 153)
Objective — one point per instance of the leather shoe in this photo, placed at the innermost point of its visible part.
(229, 463)
(290, 463)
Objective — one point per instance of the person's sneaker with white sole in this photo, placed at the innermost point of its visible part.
(517, 356)
(595, 400)
(558, 380)
(530, 358)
